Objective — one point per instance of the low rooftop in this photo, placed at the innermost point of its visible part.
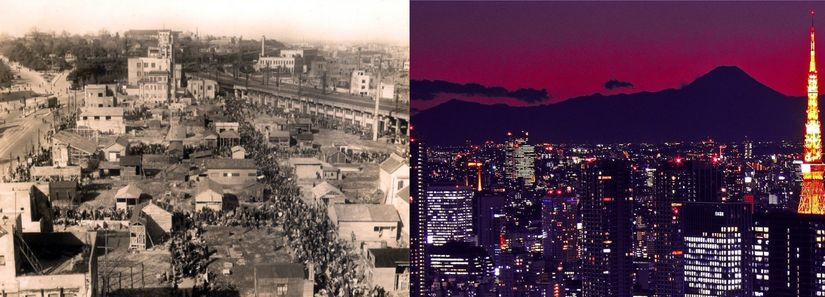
(59, 252)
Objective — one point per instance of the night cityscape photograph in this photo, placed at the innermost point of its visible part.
(616, 149)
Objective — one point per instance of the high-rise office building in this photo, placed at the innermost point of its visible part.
(449, 215)
(488, 214)
(520, 158)
(717, 242)
(458, 269)
(607, 228)
(418, 208)
(561, 248)
(788, 255)
(676, 182)
(747, 153)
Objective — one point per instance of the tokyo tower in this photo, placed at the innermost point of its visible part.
(811, 200)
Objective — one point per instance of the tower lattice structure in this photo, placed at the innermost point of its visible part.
(812, 198)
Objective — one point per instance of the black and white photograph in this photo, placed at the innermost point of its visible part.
(204, 148)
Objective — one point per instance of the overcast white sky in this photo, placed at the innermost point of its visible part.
(290, 20)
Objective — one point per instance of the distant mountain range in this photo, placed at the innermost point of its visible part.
(725, 104)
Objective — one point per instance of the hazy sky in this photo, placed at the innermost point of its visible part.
(293, 20)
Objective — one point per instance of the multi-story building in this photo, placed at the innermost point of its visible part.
(202, 88)
(418, 211)
(561, 248)
(717, 240)
(139, 67)
(29, 204)
(153, 89)
(46, 264)
(301, 52)
(99, 96)
(457, 269)
(488, 214)
(283, 64)
(107, 120)
(387, 90)
(359, 83)
(676, 182)
(607, 228)
(157, 68)
(449, 215)
(789, 254)
(520, 158)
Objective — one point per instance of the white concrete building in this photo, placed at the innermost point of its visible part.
(359, 83)
(287, 64)
(108, 120)
(140, 66)
(372, 224)
(153, 89)
(202, 88)
(99, 96)
(393, 176)
(387, 91)
(73, 272)
(29, 203)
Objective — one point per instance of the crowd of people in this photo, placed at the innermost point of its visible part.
(72, 217)
(22, 171)
(189, 253)
(246, 217)
(311, 236)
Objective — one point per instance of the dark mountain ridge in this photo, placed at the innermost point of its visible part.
(725, 104)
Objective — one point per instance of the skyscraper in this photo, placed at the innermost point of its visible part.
(717, 239)
(459, 269)
(418, 208)
(811, 198)
(520, 158)
(559, 217)
(488, 214)
(789, 255)
(607, 228)
(449, 215)
(676, 182)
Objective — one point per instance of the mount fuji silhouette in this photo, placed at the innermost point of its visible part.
(725, 104)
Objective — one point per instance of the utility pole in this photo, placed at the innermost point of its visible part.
(324, 83)
(377, 100)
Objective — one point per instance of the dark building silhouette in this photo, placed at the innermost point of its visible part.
(418, 208)
(788, 254)
(607, 228)
(488, 211)
(677, 181)
(458, 269)
(559, 218)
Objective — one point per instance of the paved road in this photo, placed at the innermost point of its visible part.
(367, 102)
(20, 132)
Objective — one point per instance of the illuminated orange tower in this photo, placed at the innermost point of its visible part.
(811, 199)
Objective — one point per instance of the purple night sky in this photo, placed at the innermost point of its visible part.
(572, 49)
